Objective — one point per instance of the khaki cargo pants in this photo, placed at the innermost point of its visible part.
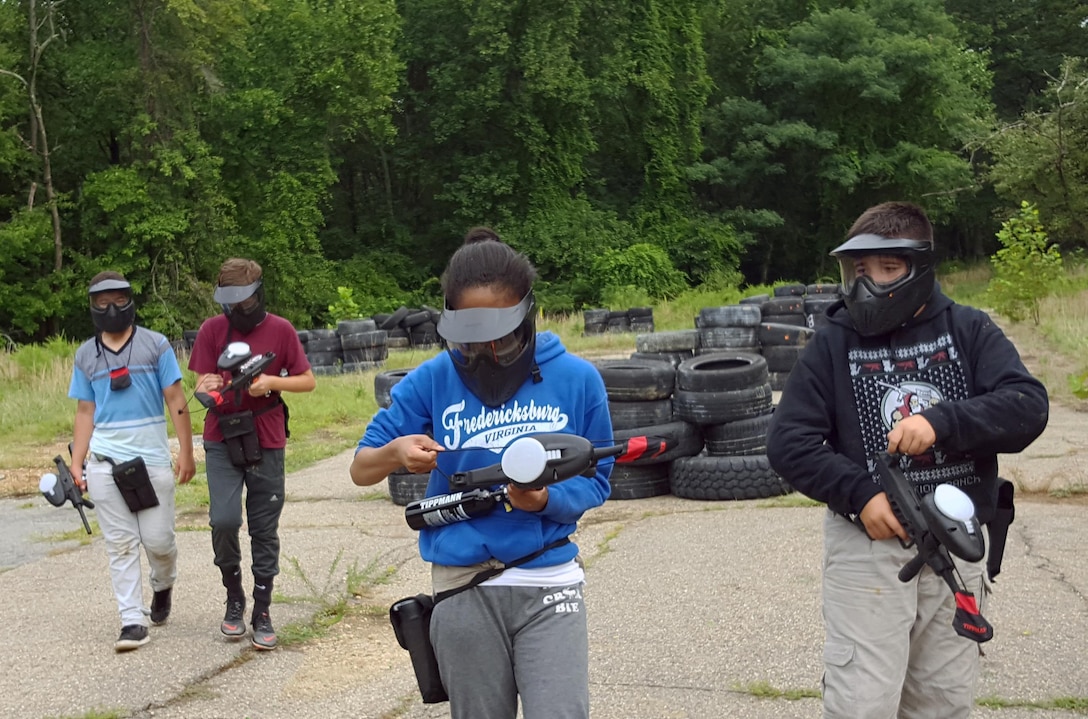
(890, 649)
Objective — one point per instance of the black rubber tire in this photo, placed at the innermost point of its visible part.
(354, 327)
(323, 333)
(362, 340)
(725, 478)
(383, 385)
(407, 488)
(324, 359)
(772, 334)
(642, 326)
(673, 358)
(683, 438)
(782, 358)
(819, 304)
(646, 413)
(745, 436)
(728, 337)
(303, 336)
(595, 328)
(323, 344)
(640, 312)
(783, 306)
(596, 317)
(636, 380)
(795, 319)
(793, 290)
(397, 332)
(380, 318)
(416, 318)
(675, 341)
(395, 319)
(721, 371)
(823, 289)
(639, 482)
(366, 354)
(720, 407)
(754, 349)
(397, 343)
(729, 316)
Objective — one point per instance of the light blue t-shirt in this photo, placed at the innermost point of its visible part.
(130, 422)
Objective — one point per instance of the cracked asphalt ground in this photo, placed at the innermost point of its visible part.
(696, 609)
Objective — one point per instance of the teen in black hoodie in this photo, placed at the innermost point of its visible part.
(900, 368)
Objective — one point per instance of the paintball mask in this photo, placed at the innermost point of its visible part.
(242, 304)
(115, 318)
(878, 308)
(493, 349)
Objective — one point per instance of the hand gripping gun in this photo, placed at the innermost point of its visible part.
(61, 487)
(938, 523)
(244, 367)
(528, 463)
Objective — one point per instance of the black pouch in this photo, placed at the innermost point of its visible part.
(411, 620)
(240, 435)
(134, 483)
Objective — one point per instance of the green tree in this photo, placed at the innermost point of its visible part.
(1027, 268)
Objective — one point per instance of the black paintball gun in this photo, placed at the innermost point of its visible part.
(61, 487)
(244, 367)
(938, 523)
(528, 463)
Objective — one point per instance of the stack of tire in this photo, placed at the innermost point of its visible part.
(673, 347)
(635, 319)
(640, 403)
(732, 328)
(323, 349)
(410, 327)
(728, 396)
(818, 297)
(781, 343)
(404, 487)
(363, 345)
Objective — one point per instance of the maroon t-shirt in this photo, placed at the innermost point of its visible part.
(274, 334)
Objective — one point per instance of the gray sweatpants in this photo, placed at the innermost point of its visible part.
(264, 483)
(125, 531)
(890, 648)
(496, 643)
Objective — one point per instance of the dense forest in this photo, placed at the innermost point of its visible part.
(658, 144)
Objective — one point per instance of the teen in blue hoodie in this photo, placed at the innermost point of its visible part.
(900, 368)
(522, 632)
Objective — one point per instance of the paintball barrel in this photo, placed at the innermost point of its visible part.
(243, 366)
(61, 487)
(527, 463)
(938, 523)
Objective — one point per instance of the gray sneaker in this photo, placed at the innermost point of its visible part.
(264, 636)
(234, 621)
(133, 636)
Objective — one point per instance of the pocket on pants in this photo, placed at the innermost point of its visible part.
(838, 681)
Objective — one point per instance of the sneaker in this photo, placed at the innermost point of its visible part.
(234, 623)
(264, 636)
(160, 605)
(132, 637)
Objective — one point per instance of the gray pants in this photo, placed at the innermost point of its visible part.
(496, 643)
(890, 649)
(125, 531)
(264, 483)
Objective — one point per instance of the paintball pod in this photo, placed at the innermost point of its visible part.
(527, 463)
(61, 487)
(244, 367)
(938, 523)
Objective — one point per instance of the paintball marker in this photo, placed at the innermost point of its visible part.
(528, 463)
(244, 367)
(61, 487)
(938, 523)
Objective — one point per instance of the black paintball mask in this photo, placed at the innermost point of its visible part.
(242, 304)
(115, 318)
(493, 349)
(878, 308)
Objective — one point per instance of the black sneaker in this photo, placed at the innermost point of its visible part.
(133, 636)
(264, 636)
(160, 605)
(234, 621)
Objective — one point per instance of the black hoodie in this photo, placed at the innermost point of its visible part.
(952, 364)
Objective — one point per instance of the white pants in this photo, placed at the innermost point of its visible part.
(124, 532)
(890, 649)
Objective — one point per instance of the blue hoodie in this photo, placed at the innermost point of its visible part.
(570, 398)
